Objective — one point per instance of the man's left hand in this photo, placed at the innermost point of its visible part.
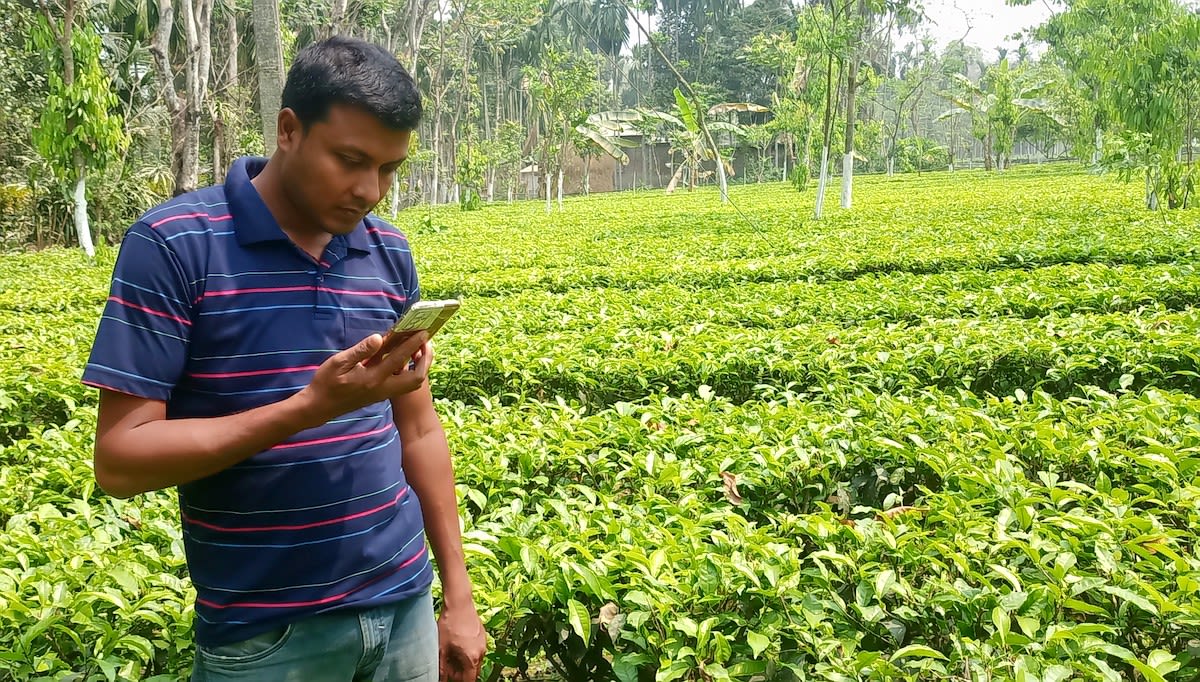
(462, 642)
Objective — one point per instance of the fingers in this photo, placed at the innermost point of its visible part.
(401, 354)
(362, 350)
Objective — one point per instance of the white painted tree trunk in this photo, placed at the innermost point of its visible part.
(891, 167)
(549, 194)
(822, 182)
(81, 219)
(395, 194)
(560, 183)
(723, 180)
(847, 179)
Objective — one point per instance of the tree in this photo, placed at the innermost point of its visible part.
(185, 109)
(999, 103)
(866, 21)
(268, 55)
(77, 129)
(1144, 91)
(560, 87)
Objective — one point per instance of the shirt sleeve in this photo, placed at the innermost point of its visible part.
(142, 338)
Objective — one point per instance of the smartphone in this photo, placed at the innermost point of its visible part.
(428, 316)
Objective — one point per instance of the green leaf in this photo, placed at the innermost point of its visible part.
(916, 651)
(758, 643)
(581, 621)
(1131, 597)
(884, 582)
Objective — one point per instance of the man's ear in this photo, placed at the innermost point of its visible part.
(289, 130)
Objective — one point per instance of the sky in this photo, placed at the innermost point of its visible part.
(986, 23)
(989, 21)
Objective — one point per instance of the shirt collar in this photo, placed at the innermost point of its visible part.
(253, 221)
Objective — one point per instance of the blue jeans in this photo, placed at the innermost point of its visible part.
(393, 643)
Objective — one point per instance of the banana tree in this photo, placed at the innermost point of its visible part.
(999, 103)
(692, 137)
(604, 132)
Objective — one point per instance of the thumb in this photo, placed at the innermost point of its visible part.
(363, 349)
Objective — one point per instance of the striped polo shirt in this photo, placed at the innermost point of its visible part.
(214, 310)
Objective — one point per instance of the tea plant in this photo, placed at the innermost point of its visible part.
(952, 433)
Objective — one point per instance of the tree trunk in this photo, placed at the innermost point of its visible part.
(587, 175)
(437, 155)
(549, 192)
(848, 157)
(184, 110)
(268, 53)
(81, 218)
(827, 133)
(337, 19)
(560, 187)
(823, 181)
(65, 39)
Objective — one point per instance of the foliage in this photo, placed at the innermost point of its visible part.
(79, 117)
(1145, 89)
(471, 166)
(934, 438)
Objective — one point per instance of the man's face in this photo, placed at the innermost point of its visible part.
(341, 167)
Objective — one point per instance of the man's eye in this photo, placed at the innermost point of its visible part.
(350, 160)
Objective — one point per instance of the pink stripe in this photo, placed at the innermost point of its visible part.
(386, 233)
(303, 526)
(251, 373)
(315, 602)
(333, 439)
(144, 309)
(273, 290)
(211, 218)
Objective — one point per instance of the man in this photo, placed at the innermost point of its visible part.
(230, 360)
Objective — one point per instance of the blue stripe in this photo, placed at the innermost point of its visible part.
(285, 307)
(271, 273)
(131, 375)
(327, 584)
(356, 453)
(265, 353)
(367, 279)
(389, 248)
(411, 578)
(172, 207)
(251, 392)
(131, 285)
(384, 522)
(364, 496)
(217, 622)
(138, 326)
(208, 231)
(139, 235)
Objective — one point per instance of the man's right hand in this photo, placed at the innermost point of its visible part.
(346, 382)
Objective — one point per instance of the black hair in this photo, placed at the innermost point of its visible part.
(343, 70)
